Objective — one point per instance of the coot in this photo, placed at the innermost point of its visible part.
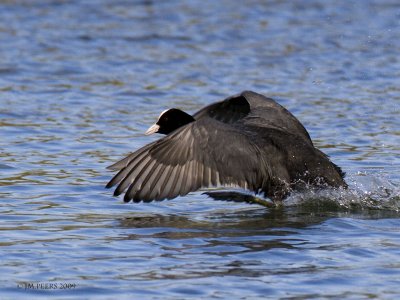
(247, 141)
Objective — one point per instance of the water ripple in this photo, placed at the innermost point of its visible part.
(82, 80)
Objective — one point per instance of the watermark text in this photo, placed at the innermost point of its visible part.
(46, 285)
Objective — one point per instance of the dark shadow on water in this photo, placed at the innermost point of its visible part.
(255, 228)
(301, 214)
(2, 166)
(218, 234)
(254, 231)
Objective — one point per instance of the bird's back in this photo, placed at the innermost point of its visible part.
(287, 150)
(254, 110)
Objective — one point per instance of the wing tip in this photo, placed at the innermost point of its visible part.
(117, 192)
(127, 198)
(113, 167)
(112, 182)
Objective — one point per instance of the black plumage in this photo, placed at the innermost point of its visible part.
(247, 141)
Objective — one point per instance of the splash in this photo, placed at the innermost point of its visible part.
(365, 191)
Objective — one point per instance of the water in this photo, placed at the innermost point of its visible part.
(80, 81)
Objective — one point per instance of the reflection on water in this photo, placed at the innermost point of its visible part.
(82, 80)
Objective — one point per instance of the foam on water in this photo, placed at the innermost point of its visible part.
(365, 191)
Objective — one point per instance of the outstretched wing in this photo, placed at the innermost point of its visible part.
(204, 153)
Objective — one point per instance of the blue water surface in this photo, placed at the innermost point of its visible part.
(80, 82)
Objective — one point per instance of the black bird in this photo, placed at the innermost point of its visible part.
(246, 141)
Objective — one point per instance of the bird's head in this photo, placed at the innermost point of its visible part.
(170, 120)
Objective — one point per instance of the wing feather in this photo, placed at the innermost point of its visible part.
(186, 160)
(125, 161)
(130, 172)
